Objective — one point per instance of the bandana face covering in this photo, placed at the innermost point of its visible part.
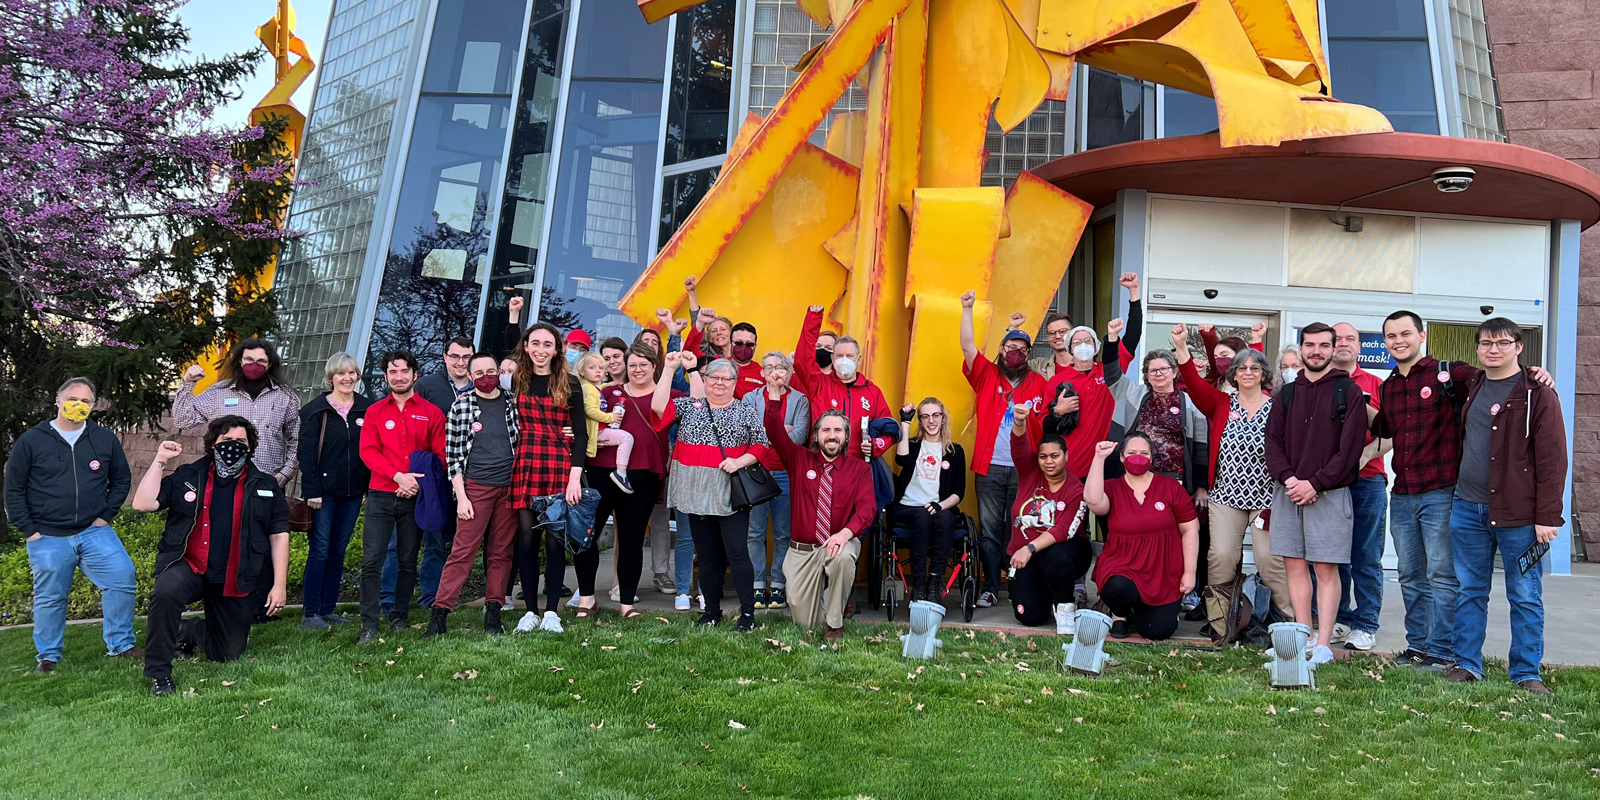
(230, 457)
(75, 410)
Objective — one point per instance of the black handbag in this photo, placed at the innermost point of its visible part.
(750, 486)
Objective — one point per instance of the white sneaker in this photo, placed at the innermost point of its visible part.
(552, 623)
(1321, 655)
(572, 602)
(1066, 619)
(1341, 632)
(616, 594)
(1360, 640)
(680, 603)
(702, 598)
(528, 623)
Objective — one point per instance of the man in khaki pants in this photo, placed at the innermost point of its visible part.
(831, 503)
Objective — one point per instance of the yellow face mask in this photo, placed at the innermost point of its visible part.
(75, 410)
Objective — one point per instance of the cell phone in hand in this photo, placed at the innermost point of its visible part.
(1531, 556)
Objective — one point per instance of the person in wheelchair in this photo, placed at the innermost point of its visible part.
(1049, 550)
(1153, 543)
(931, 483)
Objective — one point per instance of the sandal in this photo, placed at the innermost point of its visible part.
(632, 613)
(585, 612)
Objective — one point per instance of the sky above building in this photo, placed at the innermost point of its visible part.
(221, 27)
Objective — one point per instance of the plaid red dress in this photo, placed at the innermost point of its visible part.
(543, 459)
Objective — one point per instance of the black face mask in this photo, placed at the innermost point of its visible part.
(230, 456)
(824, 359)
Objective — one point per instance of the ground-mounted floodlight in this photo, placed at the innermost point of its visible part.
(1086, 654)
(921, 642)
(1289, 667)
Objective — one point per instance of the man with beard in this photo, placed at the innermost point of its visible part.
(999, 385)
(832, 502)
(1315, 435)
(251, 385)
(226, 538)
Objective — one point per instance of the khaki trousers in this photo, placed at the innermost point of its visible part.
(1228, 527)
(804, 571)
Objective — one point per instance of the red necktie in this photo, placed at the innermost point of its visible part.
(824, 503)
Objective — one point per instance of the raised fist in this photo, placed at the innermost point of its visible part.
(690, 282)
(707, 316)
(1180, 334)
(1115, 328)
(1206, 327)
(1104, 449)
(516, 304)
(907, 412)
(815, 309)
(1018, 319)
(194, 374)
(664, 315)
(1258, 332)
(675, 327)
(168, 451)
(1129, 281)
(1020, 412)
(968, 299)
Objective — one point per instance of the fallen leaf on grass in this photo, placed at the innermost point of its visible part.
(389, 663)
(664, 620)
(229, 683)
(468, 675)
(745, 681)
(919, 706)
(775, 642)
(650, 725)
(190, 692)
(1272, 710)
(1075, 691)
(558, 669)
(1046, 691)
(1320, 710)
(606, 647)
(1022, 666)
(399, 649)
(735, 725)
(264, 702)
(599, 726)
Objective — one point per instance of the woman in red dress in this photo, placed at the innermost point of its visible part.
(1152, 545)
(547, 461)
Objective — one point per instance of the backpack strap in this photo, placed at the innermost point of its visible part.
(1341, 405)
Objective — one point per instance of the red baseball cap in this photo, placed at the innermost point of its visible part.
(580, 336)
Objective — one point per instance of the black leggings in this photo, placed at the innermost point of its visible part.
(1155, 623)
(930, 537)
(1047, 579)
(722, 543)
(632, 512)
(555, 568)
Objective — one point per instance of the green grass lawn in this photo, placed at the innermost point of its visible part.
(646, 710)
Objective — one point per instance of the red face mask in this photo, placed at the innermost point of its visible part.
(253, 372)
(487, 383)
(1016, 358)
(1136, 464)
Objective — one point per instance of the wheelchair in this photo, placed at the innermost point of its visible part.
(887, 582)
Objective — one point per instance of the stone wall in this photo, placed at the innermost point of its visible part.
(1547, 64)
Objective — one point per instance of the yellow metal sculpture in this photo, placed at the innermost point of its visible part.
(892, 228)
(277, 34)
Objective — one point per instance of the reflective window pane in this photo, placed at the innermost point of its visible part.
(434, 270)
(1186, 114)
(522, 211)
(1116, 109)
(702, 82)
(1376, 19)
(679, 195)
(1395, 77)
(614, 42)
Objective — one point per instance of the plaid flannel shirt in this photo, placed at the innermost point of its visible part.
(1421, 420)
(275, 413)
(458, 432)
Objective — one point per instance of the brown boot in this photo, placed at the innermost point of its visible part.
(136, 653)
(1536, 686)
(835, 634)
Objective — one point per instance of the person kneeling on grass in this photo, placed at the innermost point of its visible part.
(1152, 544)
(831, 504)
(1047, 551)
(224, 518)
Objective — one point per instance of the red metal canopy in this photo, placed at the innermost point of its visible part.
(1513, 182)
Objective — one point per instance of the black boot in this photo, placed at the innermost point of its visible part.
(919, 588)
(492, 624)
(936, 587)
(436, 624)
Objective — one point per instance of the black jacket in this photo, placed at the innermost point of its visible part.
(337, 470)
(266, 512)
(439, 390)
(58, 489)
(952, 471)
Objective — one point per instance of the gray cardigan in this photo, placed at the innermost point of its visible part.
(797, 417)
(1131, 394)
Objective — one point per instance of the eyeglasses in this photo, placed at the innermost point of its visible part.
(774, 368)
(1056, 334)
(1496, 344)
(262, 361)
(934, 415)
(1159, 370)
(738, 343)
(1248, 369)
(449, 357)
(718, 379)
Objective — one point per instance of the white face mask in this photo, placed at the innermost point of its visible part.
(505, 382)
(1083, 352)
(845, 366)
(1290, 374)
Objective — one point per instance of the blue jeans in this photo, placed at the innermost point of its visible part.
(1473, 543)
(1421, 527)
(1362, 579)
(429, 567)
(682, 553)
(331, 527)
(100, 554)
(777, 511)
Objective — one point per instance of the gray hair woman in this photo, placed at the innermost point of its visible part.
(333, 481)
(717, 436)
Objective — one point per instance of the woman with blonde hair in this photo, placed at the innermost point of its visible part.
(333, 481)
(931, 483)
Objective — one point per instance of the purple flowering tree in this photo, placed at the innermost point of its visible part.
(130, 223)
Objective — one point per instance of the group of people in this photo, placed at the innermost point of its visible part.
(1169, 470)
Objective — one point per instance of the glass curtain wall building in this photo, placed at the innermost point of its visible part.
(464, 152)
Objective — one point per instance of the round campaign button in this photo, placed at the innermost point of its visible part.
(1173, 410)
(389, 425)
(1494, 410)
(477, 426)
(1443, 376)
(94, 465)
(944, 465)
(1160, 506)
(1427, 392)
(835, 403)
(1061, 505)
(188, 497)
(811, 474)
(1233, 416)
(361, 422)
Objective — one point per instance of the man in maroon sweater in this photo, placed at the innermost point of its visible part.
(1315, 435)
(831, 503)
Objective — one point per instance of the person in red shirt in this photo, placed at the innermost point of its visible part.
(998, 385)
(1361, 580)
(1058, 333)
(831, 503)
(1153, 545)
(393, 429)
(1081, 402)
(845, 389)
(1048, 549)
(740, 349)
